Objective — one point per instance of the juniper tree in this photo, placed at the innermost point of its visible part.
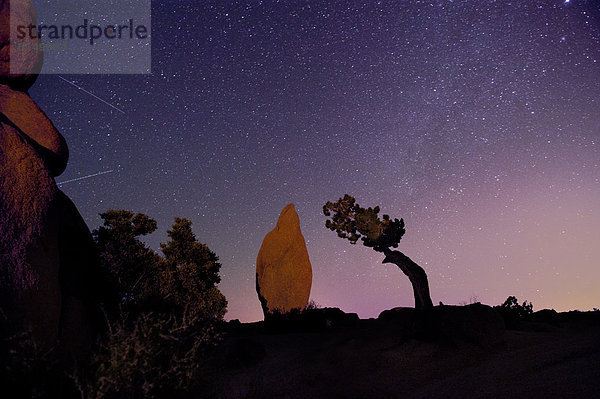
(130, 266)
(352, 222)
(190, 275)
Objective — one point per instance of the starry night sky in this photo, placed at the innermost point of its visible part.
(478, 122)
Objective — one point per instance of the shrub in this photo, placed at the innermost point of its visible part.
(513, 313)
(26, 371)
(153, 356)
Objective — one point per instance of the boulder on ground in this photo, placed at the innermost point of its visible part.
(399, 315)
(475, 323)
(329, 317)
(549, 316)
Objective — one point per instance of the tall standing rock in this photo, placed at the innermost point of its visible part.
(283, 270)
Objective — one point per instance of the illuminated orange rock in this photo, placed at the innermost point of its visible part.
(283, 270)
(47, 262)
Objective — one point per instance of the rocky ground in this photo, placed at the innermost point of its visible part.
(558, 357)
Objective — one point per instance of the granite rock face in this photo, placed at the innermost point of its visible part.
(283, 270)
(48, 267)
(26, 59)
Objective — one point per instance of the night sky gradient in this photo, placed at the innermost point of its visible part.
(478, 122)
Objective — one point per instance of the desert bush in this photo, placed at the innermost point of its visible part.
(513, 313)
(153, 356)
(472, 300)
(312, 305)
(28, 370)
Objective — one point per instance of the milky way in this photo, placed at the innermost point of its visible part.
(476, 121)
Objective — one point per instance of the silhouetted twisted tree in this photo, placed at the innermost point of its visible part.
(352, 222)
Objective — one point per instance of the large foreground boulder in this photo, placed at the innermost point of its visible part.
(48, 269)
(283, 270)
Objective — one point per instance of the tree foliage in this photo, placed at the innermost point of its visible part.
(353, 222)
(129, 266)
(189, 275)
(166, 314)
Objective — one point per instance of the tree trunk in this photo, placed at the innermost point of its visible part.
(416, 275)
